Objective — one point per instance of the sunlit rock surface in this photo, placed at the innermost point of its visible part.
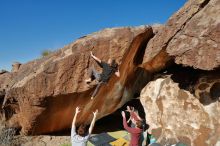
(44, 93)
(5, 79)
(191, 36)
(177, 115)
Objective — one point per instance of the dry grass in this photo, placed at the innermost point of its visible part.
(8, 135)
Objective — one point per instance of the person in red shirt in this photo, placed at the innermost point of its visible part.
(135, 132)
(134, 116)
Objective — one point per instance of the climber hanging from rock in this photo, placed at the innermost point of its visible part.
(109, 68)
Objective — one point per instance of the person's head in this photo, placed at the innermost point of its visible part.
(139, 124)
(113, 63)
(82, 130)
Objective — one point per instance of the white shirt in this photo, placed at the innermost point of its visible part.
(78, 140)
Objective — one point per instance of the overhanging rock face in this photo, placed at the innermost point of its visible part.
(42, 95)
(45, 92)
(190, 37)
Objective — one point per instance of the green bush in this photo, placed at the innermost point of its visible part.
(45, 53)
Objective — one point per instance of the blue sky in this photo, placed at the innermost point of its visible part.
(27, 27)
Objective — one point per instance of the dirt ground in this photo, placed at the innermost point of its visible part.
(39, 141)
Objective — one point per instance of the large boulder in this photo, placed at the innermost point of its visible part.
(45, 92)
(16, 66)
(5, 79)
(190, 37)
(176, 115)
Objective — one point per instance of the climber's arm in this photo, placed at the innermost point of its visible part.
(75, 116)
(95, 58)
(117, 73)
(93, 122)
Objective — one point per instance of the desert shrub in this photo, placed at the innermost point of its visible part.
(46, 53)
(7, 136)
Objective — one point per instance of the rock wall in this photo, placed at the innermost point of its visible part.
(47, 90)
(190, 37)
(176, 115)
(5, 79)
